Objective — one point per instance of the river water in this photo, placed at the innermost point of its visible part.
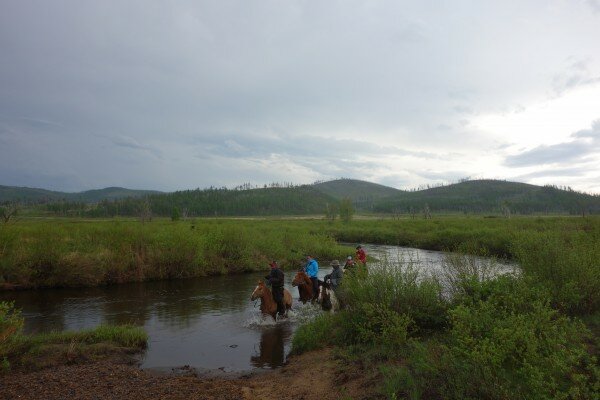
(207, 323)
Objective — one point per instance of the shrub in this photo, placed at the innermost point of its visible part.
(315, 334)
(506, 342)
(400, 288)
(11, 322)
(568, 264)
(379, 325)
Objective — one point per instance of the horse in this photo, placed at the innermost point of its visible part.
(268, 306)
(327, 297)
(305, 288)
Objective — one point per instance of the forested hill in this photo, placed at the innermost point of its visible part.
(489, 196)
(363, 194)
(479, 196)
(297, 200)
(25, 195)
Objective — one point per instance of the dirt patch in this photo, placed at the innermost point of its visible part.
(312, 376)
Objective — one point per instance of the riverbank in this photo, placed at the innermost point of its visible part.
(486, 336)
(82, 253)
(31, 353)
(311, 376)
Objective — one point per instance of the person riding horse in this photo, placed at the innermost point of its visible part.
(312, 270)
(276, 279)
(349, 265)
(361, 255)
(336, 275)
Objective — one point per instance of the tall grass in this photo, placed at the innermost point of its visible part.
(492, 336)
(384, 308)
(568, 264)
(87, 253)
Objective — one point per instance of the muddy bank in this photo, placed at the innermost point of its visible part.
(316, 375)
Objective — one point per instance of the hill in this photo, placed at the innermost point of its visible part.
(110, 193)
(479, 196)
(362, 193)
(297, 200)
(27, 195)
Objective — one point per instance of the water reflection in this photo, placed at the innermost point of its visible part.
(271, 349)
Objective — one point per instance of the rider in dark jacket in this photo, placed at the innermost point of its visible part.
(276, 279)
(336, 275)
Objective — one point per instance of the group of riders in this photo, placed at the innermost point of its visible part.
(276, 277)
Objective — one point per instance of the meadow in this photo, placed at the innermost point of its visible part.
(70, 252)
(533, 334)
(77, 252)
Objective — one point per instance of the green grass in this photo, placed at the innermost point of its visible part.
(53, 253)
(119, 335)
(30, 352)
(563, 252)
(490, 337)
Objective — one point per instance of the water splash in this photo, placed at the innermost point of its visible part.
(299, 314)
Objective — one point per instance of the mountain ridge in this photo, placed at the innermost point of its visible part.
(28, 195)
(474, 196)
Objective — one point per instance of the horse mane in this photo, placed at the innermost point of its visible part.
(305, 277)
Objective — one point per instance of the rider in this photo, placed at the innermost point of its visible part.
(361, 255)
(350, 264)
(276, 280)
(336, 275)
(312, 270)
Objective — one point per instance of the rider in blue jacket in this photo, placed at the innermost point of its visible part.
(312, 270)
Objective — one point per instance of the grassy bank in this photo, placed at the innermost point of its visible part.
(510, 337)
(74, 252)
(53, 253)
(31, 352)
(497, 236)
(497, 340)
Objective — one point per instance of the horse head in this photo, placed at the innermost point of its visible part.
(258, 291)
(300, 279)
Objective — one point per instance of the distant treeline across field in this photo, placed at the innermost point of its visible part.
(469, 197)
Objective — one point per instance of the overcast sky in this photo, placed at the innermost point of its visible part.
(172, 95)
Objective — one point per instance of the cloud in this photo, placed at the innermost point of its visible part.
(131, 143)
(549, 173)
(302, 147)
(142, 93)
(441, 176)
(585, 143)
(595, 5)
(577, 73)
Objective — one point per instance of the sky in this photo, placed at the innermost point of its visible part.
(174, 95)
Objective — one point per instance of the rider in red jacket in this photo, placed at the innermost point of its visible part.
(361, 255)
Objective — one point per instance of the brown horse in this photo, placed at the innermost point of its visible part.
(268, 306)
(305, 288)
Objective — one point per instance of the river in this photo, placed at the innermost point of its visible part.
(207, 323)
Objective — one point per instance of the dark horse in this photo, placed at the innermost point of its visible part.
(305, 288)
(327, 297)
